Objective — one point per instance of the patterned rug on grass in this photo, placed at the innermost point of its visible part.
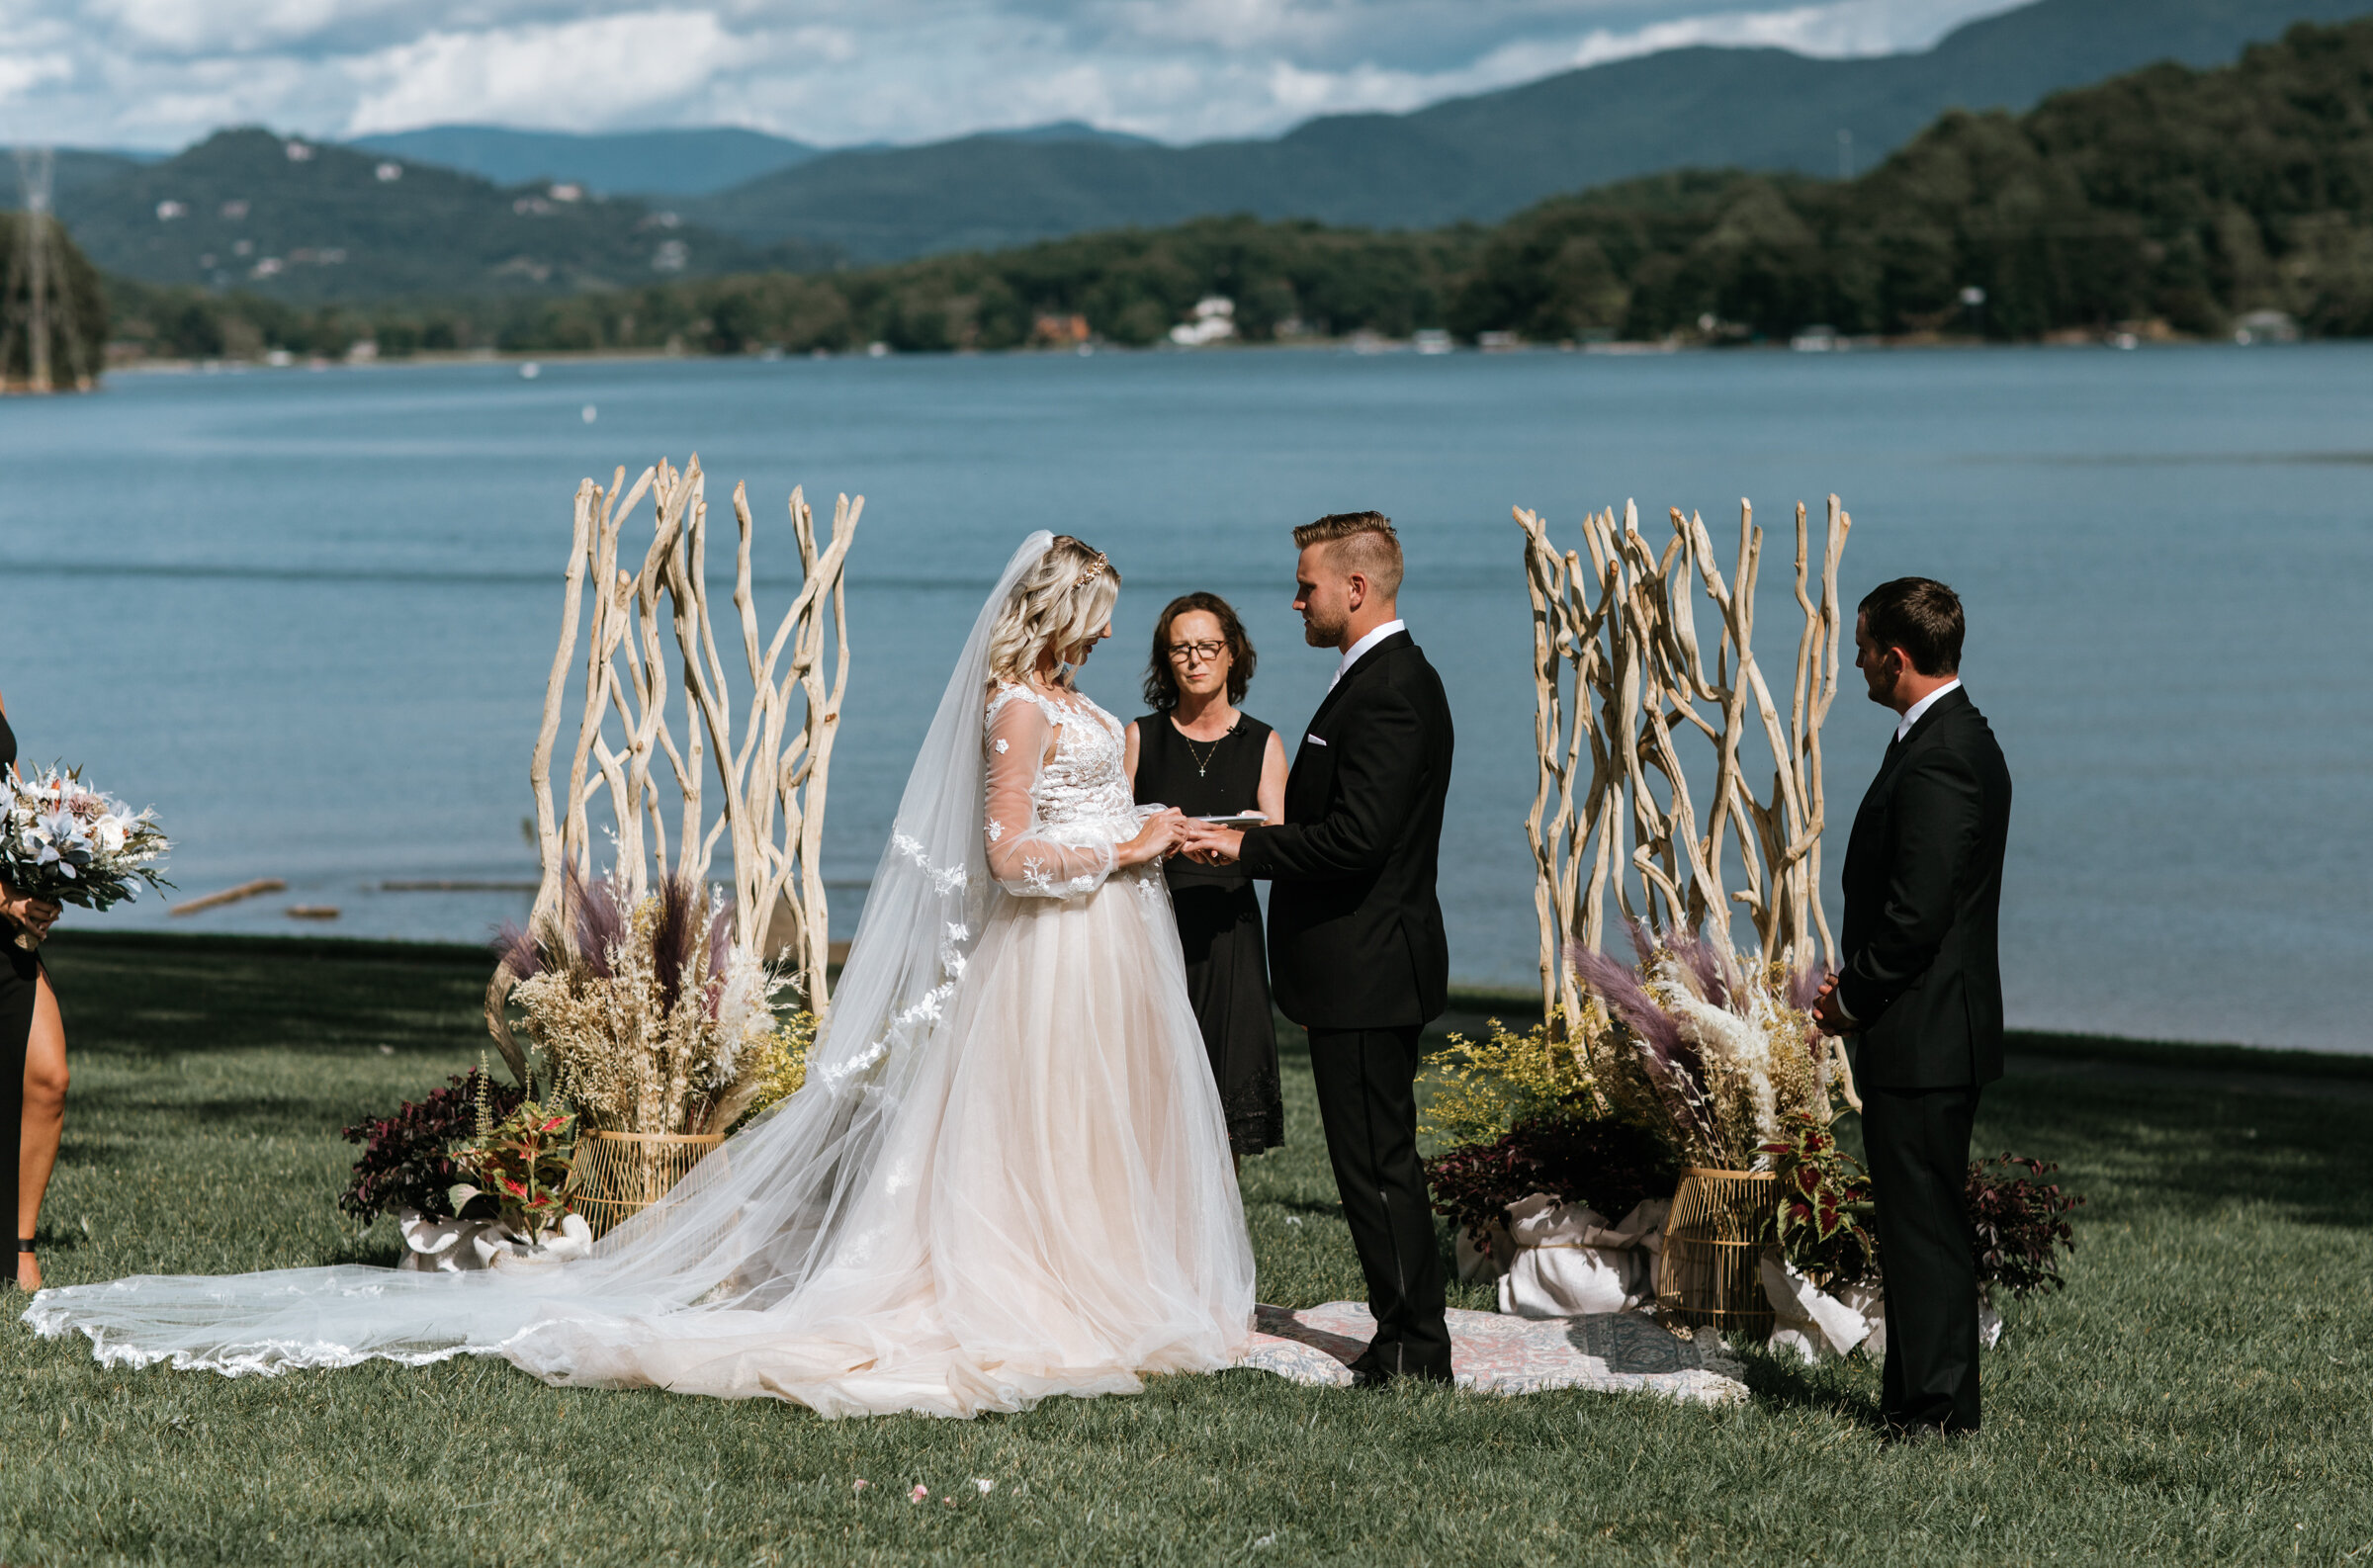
(1619, 1351)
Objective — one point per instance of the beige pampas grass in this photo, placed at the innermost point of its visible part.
(669, 1027)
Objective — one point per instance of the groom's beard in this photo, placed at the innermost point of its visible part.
(1320, 634)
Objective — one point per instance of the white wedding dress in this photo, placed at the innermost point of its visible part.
(1007, 1177)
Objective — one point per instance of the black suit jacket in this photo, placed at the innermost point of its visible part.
(1922, 976)
(1355, 939)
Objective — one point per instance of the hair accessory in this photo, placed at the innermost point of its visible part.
(1092, 571)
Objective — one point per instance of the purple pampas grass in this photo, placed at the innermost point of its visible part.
(595, 922)
(1804, 985)
(720, 946)
(1629, 1001)
(516, 950)
(1643, 940)
(674, 937)
(1675, 1069)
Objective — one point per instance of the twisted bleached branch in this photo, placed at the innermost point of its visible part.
(1620, 685)
(772, 762)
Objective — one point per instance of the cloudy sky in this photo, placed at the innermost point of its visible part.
(160, 73)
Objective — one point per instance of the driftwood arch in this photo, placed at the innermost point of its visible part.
(1620, 679)
(773, 763)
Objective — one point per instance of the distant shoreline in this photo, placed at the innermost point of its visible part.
(1381, 349)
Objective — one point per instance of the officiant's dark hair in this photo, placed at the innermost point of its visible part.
(1162, 685)
(1920, 616)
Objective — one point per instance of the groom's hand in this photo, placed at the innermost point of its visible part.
(1213, 845)
(1828, 1014)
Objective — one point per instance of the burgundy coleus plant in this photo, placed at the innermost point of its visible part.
(1824, 1204)
(407, 1161)
(521, 1167)
(2019, 1224)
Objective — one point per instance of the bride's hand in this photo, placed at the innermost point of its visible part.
(1154, 840)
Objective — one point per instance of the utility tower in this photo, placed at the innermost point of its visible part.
(37, 293)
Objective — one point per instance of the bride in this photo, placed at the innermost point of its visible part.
(1006, 1178)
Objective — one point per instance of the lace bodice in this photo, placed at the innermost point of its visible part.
(1058, 799)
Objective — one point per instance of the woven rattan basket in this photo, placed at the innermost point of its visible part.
(1721, 1221)
(618, 1175)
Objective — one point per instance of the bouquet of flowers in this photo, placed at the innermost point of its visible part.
(62, 840)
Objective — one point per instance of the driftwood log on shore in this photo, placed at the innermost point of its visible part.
(215, 901)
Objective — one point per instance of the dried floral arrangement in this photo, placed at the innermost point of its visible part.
(646, 1015)
(1709, 1050)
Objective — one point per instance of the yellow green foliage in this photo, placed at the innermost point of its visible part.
(781, 1066)
(1483, 1089)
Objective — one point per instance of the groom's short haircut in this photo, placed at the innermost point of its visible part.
(1365, 543)
(1920, 616)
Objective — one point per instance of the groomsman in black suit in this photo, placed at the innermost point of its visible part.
(1356, 943)
(1920, 990)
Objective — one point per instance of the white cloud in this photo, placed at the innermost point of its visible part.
(180, 27)
(164, 72)
(569, 76)
(19, 73)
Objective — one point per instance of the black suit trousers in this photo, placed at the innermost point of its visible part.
(1367, 1097)
(1916, 1142)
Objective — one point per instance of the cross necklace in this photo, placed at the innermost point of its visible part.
(1202, 759)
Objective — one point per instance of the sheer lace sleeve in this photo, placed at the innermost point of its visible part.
(1030, 856)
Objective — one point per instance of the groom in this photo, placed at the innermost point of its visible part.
(1357, 951)
(1920, 989)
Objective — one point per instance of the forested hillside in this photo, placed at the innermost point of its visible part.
(302, 221)
(2181, 196)
(1482, 159)
(2169, 198)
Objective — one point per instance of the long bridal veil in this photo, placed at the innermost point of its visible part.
(758, 1219)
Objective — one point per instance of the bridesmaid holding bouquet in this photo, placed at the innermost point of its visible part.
(1198, 752)
(32, 1059)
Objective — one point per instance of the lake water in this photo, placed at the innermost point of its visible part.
(308, 615)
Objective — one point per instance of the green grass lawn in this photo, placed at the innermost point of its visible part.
(2202, 1391)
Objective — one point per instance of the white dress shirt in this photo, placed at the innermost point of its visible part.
(1350, 654)
(1911, 715)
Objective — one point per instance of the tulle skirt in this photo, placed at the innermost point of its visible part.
(1052, 1211)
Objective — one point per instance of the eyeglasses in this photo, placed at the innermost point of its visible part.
(1187, 653)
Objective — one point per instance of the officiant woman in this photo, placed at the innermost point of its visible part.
(1200, 753)
(33, 1061)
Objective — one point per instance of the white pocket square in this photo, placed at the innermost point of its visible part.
(1313, 739)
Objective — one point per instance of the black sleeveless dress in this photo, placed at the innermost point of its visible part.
(1219, 919)
(20, 982)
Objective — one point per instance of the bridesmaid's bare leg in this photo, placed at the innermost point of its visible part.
(45, 1121)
